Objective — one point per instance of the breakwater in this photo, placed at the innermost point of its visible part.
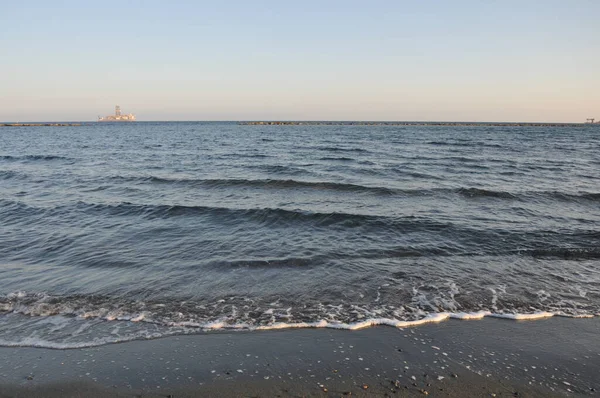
(38, 124)
(443, 124)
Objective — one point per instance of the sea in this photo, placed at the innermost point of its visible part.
(111, 232)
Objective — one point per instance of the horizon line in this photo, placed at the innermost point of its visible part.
(292, 121)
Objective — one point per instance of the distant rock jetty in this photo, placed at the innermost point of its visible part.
(38, 124)
(449, 124)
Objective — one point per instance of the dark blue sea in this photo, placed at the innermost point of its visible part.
(119, 231)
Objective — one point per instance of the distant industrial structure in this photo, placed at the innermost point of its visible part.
(117, 117)
(591, 121)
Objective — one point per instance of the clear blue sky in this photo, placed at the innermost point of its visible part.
(475, 60)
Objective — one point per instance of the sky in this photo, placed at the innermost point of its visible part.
(503, 60)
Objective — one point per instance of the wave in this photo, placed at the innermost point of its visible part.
(527, 195)
(33, 157)
(273, 217)
(337, 159)
(589, 196)
(40, 342)
(460, 159)
(14, 211)
(280, 169)
(145, 320)
(242, 155)
(262, 184)
(270, 263)
(477, 192)
(464, 192)
(404, 171)
(10, 174)
(568, 197)
(563, 253)
(469, 144)
(187, 328)
(467, 237)
(335, 149)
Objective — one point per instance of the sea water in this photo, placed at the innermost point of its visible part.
(111, 232)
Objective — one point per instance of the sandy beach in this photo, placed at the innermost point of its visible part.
(491, 357)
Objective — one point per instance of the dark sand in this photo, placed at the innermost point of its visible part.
(491, 357)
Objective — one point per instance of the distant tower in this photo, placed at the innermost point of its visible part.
(117, 110)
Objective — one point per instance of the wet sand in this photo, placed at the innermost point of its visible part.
(485, 358)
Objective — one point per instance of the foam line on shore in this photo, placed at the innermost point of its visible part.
(186, 328)
(431, 318)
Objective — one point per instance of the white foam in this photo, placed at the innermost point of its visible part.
(17, 295)
(576, 315)
(138, 318)
(432, 318)
(470, 315)
(96, 342)
(223, 325)
(56, 322)
(518, 317)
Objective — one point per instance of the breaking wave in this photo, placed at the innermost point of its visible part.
(98, 320)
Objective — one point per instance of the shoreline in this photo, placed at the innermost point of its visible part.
(450, 359)
(187, 328)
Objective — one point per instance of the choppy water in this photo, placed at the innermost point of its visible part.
(116, 231)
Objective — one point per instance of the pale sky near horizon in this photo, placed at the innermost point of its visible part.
(305, 60)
